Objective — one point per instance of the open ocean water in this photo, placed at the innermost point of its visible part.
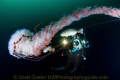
(103, 57)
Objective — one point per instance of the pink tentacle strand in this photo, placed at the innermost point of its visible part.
(23, 44)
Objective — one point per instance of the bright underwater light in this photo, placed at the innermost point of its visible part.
(65, 42)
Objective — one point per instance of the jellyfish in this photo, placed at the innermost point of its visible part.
(23, 43)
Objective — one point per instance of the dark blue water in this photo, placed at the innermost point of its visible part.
(102, 58)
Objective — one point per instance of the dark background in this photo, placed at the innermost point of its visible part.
(102, 58)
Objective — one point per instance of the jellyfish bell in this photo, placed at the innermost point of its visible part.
(17, 40)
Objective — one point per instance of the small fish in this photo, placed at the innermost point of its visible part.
(71, 32)
(68, 32)
(80, 31)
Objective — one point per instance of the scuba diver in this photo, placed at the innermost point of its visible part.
(75, 44)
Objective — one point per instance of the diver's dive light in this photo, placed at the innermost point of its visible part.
(65, 42)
